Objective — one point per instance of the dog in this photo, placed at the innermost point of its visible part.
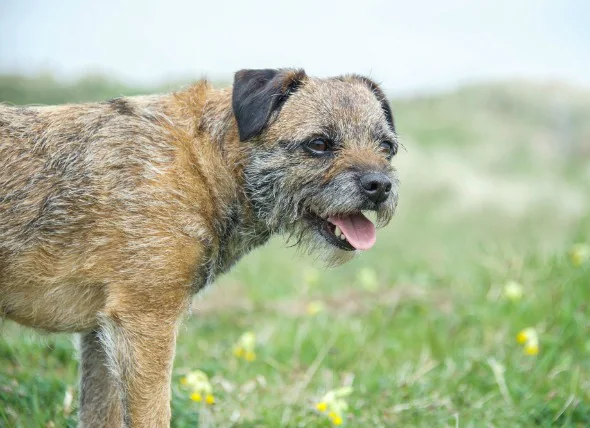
(112, 215)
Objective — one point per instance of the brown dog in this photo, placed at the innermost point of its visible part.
(113, 215)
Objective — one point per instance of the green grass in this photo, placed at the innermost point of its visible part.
(432, 341)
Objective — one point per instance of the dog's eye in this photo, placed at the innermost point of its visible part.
(318, 146)
(388, 148)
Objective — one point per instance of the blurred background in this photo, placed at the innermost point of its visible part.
(472, 309)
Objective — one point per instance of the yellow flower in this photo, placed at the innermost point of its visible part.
(247, 340)
(336, 419)
(580, 254)
(526, 335)
(368, 279)
(531, 349)
(530, 339)
(200, 386)
(197, 381)
(321, 406)
(315, 307)
(244, 347)
(335, 404)
(513, 291)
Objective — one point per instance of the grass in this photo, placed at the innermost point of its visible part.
(419, 326)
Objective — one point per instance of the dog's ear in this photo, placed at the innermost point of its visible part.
(258, 93)
(374, 87)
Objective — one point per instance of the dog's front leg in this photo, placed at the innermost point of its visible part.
(140, 352)
(100, 404)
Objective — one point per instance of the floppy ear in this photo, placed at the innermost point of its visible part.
(374, 87)
(258, 93)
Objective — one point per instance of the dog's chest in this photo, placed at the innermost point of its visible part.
(235, 237)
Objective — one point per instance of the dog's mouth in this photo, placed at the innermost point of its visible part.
(348, 232)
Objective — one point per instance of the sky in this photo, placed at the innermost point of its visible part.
(408, 46)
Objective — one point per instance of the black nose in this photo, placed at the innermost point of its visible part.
(376, 186)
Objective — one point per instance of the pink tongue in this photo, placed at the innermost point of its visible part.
(358, 229)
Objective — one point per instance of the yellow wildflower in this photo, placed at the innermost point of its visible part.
(530, 339)
(368, 279)
(238, 351)
(526, 335)
(336, 419)
(321, 406)
(580, 254)
(197, 380)
(199, 384)
(335, 404)
(531, 349)
(513, 291)
(315, 307)
(244, 347)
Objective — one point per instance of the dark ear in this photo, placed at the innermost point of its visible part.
(374, 87)
(258, 93)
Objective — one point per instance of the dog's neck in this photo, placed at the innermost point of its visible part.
(206, 116)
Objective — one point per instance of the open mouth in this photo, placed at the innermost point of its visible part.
(348, 231)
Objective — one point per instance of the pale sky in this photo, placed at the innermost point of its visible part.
(406, 45)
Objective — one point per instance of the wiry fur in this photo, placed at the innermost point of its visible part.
(112, 215)
(351, 118)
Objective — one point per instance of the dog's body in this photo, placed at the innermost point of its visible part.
(113, 215)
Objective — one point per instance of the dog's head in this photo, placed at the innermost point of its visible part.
(319, 155)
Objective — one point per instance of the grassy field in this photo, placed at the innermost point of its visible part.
(422, 328)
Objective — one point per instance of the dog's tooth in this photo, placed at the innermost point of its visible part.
(337, 231)
(343, 237)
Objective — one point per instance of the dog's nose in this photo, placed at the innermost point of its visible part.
(376, 186)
